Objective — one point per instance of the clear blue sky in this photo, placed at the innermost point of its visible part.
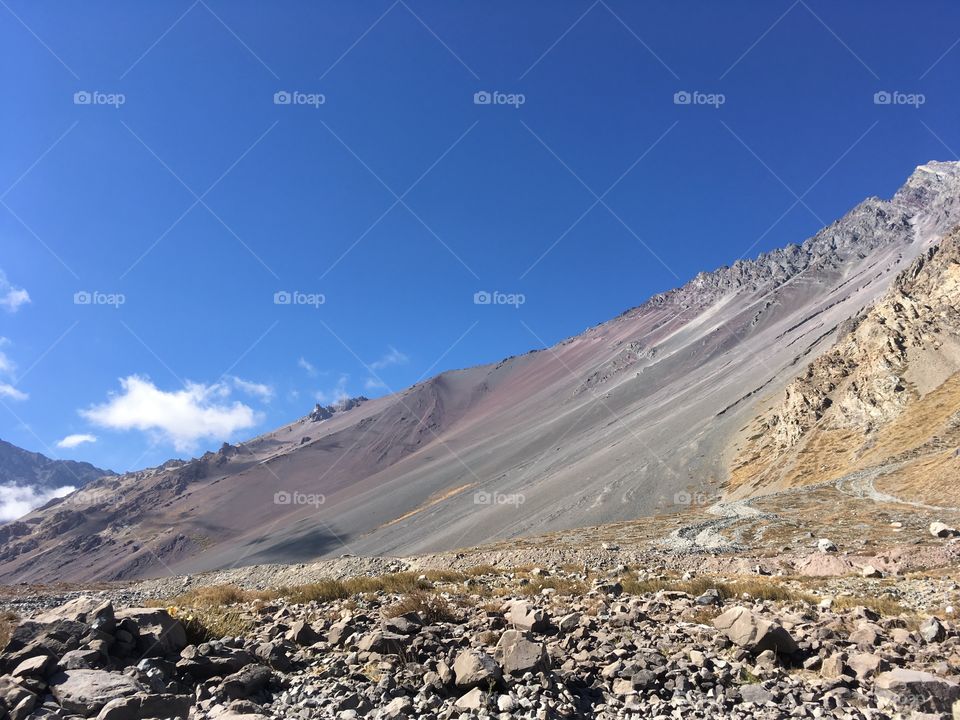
(304, 197)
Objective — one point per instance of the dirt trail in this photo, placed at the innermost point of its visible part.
(705, 535)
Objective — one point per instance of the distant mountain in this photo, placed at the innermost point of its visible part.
(677, 398)
(22, 467)
(29, 479)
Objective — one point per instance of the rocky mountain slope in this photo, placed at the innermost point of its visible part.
(887, 395)
(643, 413)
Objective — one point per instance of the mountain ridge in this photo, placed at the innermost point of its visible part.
(609, 425)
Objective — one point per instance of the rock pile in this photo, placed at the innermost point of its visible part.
(486, 648)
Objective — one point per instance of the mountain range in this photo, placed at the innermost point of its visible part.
(28, 478)
(837, 354)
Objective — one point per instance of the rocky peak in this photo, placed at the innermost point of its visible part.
(325, 412)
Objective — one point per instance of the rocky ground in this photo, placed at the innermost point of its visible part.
(383, 638)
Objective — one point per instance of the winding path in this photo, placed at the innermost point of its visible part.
(705, 535)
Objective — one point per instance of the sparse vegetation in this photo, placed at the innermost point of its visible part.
(563, 586)
(880, 604)
(430, 606)
(8, 621)
(754, 587)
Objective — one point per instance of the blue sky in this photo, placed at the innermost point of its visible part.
(182, 197)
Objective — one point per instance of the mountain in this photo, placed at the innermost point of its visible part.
(884, 400)
(28, 479)
(674, 399)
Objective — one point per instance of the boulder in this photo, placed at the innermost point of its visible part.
(37, 666)
(248, 682)
(918, 691)
(866, 665)
(517, 654)
(339, 632)
(302, 633)
(753, 633)
(932, 630)
(473, 700)
(159, 634)
(527, 618)
(942, 530)
(474, 668)
(16, 699)
(85, 692)
(137, 707)
(384, 643)
(826, 546)
(869, 571)
(569, 623)
(95, 612)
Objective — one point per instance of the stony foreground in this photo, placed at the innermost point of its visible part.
(527, 643)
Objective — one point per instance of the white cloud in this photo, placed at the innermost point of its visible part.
(374, 384)
(391, 357)
(11, 298)
(307, 365)
(9, 391)
(264, 392)
(72, 441)
(181, 417)
(339, 392)
(6, 369)
(17, 500)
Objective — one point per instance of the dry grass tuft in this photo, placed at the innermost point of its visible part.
(431, 607)
(563, 586)
(881, 605)
(8, 621)
(758, 588)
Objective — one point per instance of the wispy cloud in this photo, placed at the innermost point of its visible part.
(181, 417)
(72, 441)
(339, 392)
(9, 391)
(11, 298)
(391, 357)
(259, 390)
(307, 365)
(373, 384)
(7, 368)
